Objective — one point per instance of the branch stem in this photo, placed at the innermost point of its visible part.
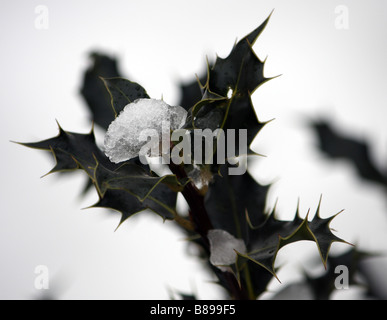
(202, 224)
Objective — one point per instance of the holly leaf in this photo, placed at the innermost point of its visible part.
(191, 92)
(229, 197)
(242, 70)
(93, 90)
(338, 146)
(226, 102)
(74, 151)
(200, 116)
(132, 179)
(322, 286)
(162, 202)
(241, 115)
(267, 239)
(123, 92)
(71, 149)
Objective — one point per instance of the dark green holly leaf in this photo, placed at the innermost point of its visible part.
(79, 151)
(71, 149)
(259, 278)
(123, 92)
(338, 146)
(267, 239)
(323, 286)
(93, 89)
(322, 235)
(248, 275)
(132, 179)
(162, 202)
(226, 102)
(241, 71)
(178, 295)
(344, 267)
(241, 115)
(229, 197)
(191, 93)
(200, 116)
(235, 116)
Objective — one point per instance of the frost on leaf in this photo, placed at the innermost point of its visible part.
(141, 118)
(223, 246)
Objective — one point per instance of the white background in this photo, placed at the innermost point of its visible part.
(340, 74)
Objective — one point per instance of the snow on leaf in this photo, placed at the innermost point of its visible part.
(223, 247)
(122, 140)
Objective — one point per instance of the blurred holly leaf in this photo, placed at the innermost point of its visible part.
(93, 89)
(339, 146)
